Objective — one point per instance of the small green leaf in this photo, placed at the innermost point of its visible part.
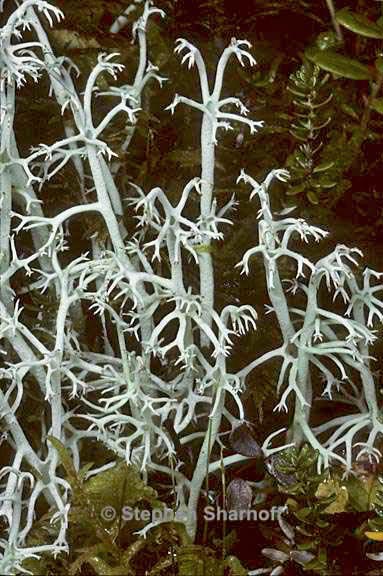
(327, 40)
(303, 513)
(377, 105)
(324, 182)
(331, 488)
(294, 190)
(120, 483)
(235, 566)
(323, 167)
(318, 565)
(338, 64)
(321, 523)
(311, 195)
(304, 456)
(66, 460)
(359, 24)
(359, 496)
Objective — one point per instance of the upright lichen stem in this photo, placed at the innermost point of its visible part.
(205, 259)
(201, 466)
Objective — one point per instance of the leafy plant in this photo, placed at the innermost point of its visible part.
(92, 502)
(311, 100)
